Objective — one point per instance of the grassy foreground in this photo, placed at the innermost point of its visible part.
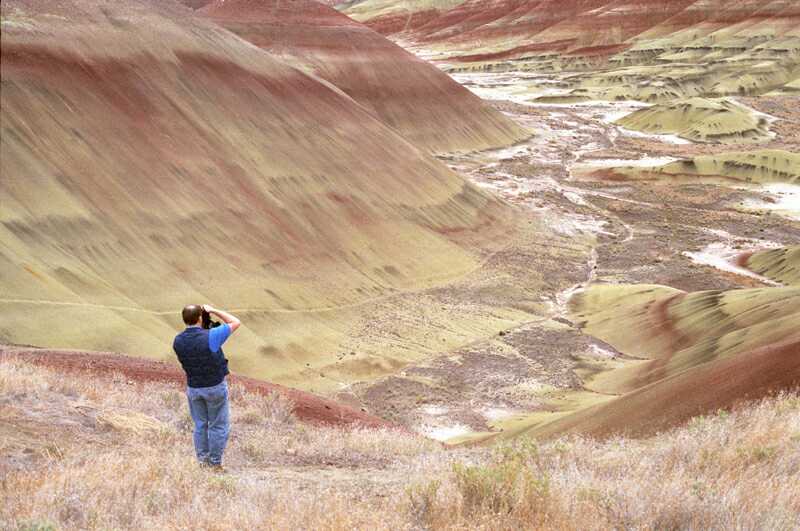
(112, 453)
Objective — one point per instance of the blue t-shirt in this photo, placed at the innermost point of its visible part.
(217, 336)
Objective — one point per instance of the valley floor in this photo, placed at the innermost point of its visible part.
(586, 229)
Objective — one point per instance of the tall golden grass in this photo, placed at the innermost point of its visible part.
(106, 453)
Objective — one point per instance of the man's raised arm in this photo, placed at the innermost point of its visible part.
(227, 318)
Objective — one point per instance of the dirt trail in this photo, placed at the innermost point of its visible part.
(320, 309)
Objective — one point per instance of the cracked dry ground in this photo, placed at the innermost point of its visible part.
(587, 230)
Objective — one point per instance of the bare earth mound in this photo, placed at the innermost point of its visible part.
(677, 331)
(700, 120)
(698, 391)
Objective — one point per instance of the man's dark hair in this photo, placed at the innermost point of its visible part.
(191, 314)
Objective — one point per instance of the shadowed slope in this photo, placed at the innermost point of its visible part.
(410, 95)
(150, 159)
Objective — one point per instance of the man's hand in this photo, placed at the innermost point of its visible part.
(229, 319)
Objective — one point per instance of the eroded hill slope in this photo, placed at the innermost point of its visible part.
(781, 264)
(151, 159)
(408, 94)
(649, 50)
(699, 352)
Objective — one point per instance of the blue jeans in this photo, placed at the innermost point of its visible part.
(211, 416)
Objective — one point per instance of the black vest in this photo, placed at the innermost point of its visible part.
(203, 367)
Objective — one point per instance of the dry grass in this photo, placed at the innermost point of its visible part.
(106, 453)
(732, 470)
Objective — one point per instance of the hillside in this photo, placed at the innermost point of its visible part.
(408, 94)
(700, 120)
(781, 264)
(649, 50)
(693, 353)
(150, 158)
(499, 264)
(744, 167)
(82, 365)
(664, 356)
(108, 452)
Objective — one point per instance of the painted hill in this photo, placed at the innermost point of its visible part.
(151, 159)
(781, 265)
(758, 166)
(687, 354)
(701, 390)
(408, 94)
(700, 120)
(677, 330)
(650, 50)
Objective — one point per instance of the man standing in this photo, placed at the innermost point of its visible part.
(200, 352)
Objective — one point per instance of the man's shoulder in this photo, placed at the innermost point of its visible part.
(188, 332)
(193, 330)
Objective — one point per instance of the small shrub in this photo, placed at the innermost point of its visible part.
(253, 450)
(223, 484)
(278, 410)
(756, 454)
(185, 422)
(254, 409)
(422, 503)
(174, 400)
(498, 488)
(36, 526)
(52, 451)
(249, 416)
(521, 451)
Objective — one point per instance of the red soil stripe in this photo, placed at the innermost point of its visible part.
(743, 259)
(556, 46)
(674, 400)
(307, 406)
